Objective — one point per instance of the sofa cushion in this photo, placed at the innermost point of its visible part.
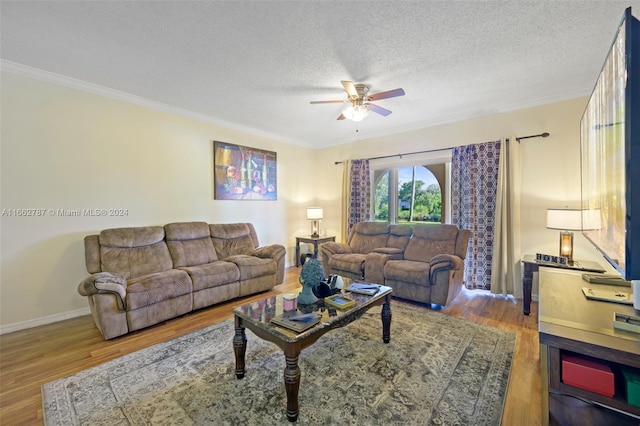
(367, 236)
(409, 271)
(153, 288)
(253, 267)
(212, 274)
(190, 243)
(230, 239)
(352, 262)
(429, 240)
(399, 236)
(134, 252)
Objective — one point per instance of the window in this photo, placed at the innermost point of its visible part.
(413, 191)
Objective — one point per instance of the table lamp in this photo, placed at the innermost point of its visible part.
(565, 220)
(314, 214)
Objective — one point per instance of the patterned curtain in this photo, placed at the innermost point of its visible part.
(359, 195)
(474, 184)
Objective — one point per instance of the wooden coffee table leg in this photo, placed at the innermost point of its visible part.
(386, 319)
(239, 347)
(292, 382)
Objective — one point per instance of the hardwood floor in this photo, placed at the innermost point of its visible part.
(30, 358)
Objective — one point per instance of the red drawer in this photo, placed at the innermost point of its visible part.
(587, 374)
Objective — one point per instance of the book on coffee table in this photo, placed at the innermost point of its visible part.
(297, 321)
(364, 288)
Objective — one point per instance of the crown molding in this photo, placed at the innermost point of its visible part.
(72, 83)
(469, 115)
(95, 89)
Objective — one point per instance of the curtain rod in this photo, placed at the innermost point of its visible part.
(541, 135)
(400, 155)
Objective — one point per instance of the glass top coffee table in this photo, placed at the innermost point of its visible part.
(257, 316)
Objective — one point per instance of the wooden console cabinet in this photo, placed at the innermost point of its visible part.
(570, 323)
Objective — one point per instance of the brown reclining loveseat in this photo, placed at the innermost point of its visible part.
(424, 263)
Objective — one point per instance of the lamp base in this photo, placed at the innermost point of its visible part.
(566, 246)
(315, 229)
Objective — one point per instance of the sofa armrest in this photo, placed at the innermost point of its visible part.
(273, 251)
(375, 261)
(105, 282)
(276, 252)
(445, 275)
(446, 261)
(374, 267)
(332, 247)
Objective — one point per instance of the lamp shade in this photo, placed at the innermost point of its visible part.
(314, 213)
(564, 219)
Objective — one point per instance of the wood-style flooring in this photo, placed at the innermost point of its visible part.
(30, 358)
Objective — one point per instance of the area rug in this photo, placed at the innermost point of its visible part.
(436, 370)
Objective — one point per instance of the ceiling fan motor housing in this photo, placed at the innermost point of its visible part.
(361, 90)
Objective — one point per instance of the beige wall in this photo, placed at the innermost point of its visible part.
(67, 149)
(550, 166)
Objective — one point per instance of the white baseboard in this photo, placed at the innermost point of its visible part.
(10, 328)
(4, 329)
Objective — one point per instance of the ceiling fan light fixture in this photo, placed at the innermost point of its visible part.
(356, 113)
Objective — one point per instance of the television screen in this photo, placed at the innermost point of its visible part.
(610, 163)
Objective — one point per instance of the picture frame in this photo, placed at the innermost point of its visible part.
(339, 301)
(244, 173)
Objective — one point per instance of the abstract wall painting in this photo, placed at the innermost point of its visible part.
(244, 173)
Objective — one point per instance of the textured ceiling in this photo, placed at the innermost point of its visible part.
(255, 65)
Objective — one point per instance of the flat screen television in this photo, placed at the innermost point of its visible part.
(610, 154)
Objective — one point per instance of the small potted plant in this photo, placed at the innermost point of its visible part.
(310, 276)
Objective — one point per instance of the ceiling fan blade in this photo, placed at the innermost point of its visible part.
(388, 94)
(327, 102)
(350, 88)
(341, 117)
(377, 109)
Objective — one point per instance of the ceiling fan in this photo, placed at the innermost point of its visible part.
(359, 101)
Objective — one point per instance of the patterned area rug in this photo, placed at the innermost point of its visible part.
(436, 370)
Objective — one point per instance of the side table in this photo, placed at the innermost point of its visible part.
(313, 240)
(531, 265)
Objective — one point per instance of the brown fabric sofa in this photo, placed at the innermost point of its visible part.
(146, 275)
(424, 263)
